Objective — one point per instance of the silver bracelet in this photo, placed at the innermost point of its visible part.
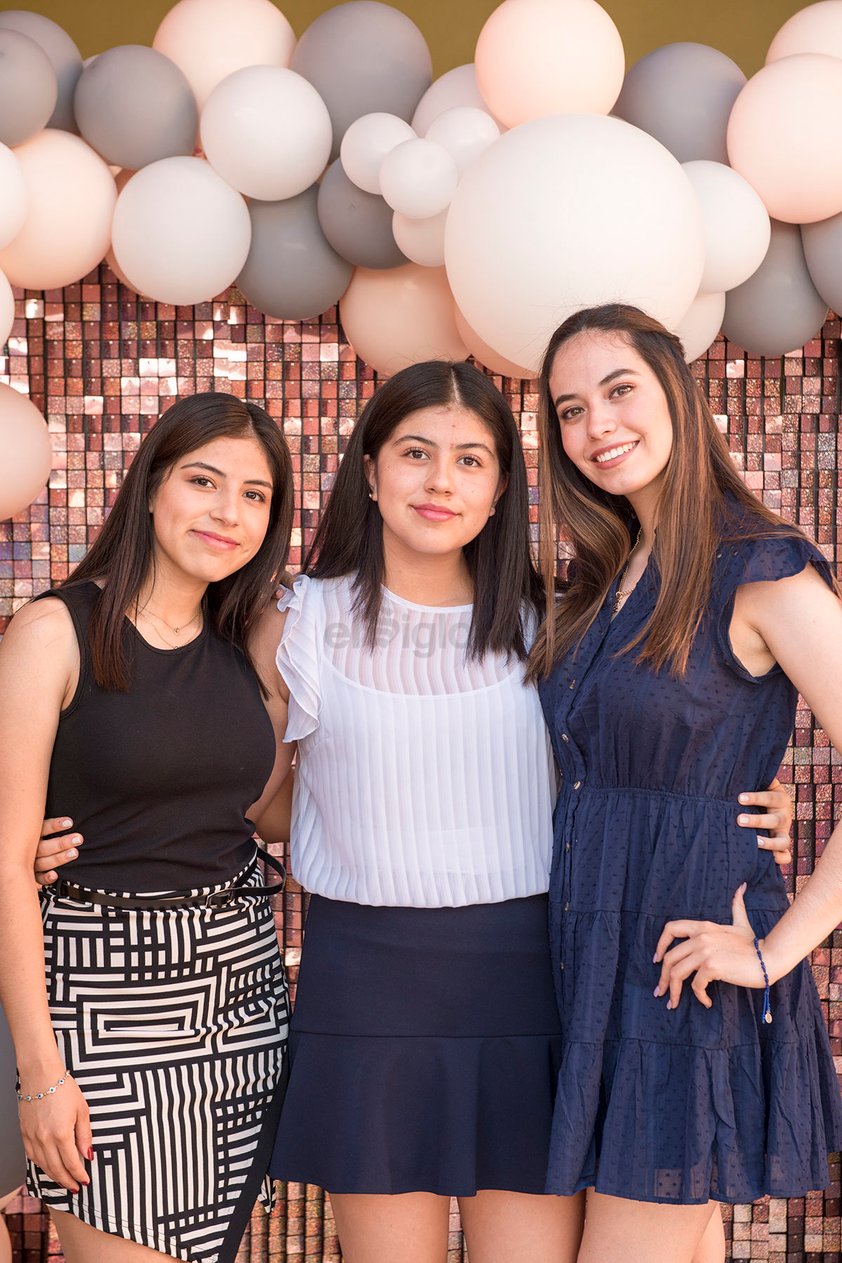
(40, 1096)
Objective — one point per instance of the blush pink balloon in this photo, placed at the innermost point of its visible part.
(400, 316)
(27, 454)
(486, 355)
(210, 39)
(71, 195)
(815, 29)
(784, 137)
(7, 310)
(535, 58)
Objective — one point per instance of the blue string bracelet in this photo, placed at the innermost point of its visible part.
(766, 1015)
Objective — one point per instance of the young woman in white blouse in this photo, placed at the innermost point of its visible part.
(425, 1043)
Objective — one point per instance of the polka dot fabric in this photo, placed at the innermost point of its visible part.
(657, 1105)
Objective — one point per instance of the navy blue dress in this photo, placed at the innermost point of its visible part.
(697, 1103)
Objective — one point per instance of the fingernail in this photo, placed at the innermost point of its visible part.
(742, 819)
(761, 842)
(743, 798)
(65, 824)
(71, 855)
(669, 1004)
(91, 1154)
(656, 992)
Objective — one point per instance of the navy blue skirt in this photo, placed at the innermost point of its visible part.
(424, 1050)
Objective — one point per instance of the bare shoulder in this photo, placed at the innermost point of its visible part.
(263, 645)
(43, 625)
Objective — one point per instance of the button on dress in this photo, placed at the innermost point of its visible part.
(686, 1105)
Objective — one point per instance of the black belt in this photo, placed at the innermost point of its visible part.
(64, 889)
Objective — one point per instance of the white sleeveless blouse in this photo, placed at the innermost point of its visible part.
(424, 779)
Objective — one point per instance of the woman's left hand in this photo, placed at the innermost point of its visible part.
(710, 952)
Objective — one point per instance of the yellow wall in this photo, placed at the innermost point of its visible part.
(740, 28)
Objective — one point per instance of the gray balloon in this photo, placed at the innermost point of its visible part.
(12, 1161)
(823, 254)
(291, 271)
(133, 106)
(358, 225)
(682, 95)
(363, 57)
(62, 52)
(777, 309)
(28, 87)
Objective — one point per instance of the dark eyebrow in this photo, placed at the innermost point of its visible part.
(460, 447)
(200, 464)
(618, 372)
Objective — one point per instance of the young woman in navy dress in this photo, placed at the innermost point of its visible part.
(668, 673)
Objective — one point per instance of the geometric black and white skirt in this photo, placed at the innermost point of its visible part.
(173, 1023)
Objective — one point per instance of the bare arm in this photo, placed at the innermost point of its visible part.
(796, 622)
(271, 811)
(38, 668)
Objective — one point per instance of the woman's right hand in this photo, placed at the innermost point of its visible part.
(56, 1130)
(55, 851)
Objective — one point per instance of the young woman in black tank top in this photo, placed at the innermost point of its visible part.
(146, 999)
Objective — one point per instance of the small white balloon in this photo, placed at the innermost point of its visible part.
(14, 201)
(367, 142)
(418, 178)
(456, 87)
(7, 309)
(180, 233)
(735, 225)
(267, 132)
(699, 326)
(421, 240)
(465, 132)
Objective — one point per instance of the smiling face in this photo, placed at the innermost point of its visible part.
(211, 511)
(436, 480)
(613, 415)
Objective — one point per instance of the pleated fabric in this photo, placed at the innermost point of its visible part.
(173, 1023)
(424, 778)
(685, 1105)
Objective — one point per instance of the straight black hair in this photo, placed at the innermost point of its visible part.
(122, 556)
(349, 537)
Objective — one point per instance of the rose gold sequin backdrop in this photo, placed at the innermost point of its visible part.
(102, 363)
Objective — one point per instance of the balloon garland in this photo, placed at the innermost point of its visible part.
(463, 216)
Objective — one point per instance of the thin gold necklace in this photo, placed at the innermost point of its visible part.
(621, 593)
(176, 631)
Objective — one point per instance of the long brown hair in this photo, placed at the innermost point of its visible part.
(701, 486)
(349, 537)
(122, 555)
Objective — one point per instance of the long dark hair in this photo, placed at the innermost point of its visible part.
(122, 555)
(349, 537)
(701, 487)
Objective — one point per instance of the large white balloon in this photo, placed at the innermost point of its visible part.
(180, 234)
(400, 316)
(816, 29)
(367, 142)
(418, 178)
(455, 88)
(540, 57)
(465, 132)
(784, 137)
(605, 214)
(699, 326)
(267, 132)
(735, 224)
(210, 39)
(14, 201)
(71, 195)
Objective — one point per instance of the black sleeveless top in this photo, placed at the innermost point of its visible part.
(158, 779)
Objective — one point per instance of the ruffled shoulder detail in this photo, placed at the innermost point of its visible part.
(760, 560)
(298, 656)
